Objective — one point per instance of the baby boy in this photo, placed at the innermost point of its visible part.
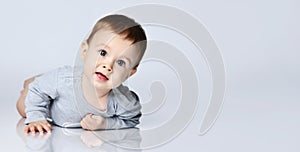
(90, 96)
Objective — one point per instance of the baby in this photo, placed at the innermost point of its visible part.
(90, 96)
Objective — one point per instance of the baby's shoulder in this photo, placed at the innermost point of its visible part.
(123, 95)
(63, 77)
(124, 90)
(65, 71)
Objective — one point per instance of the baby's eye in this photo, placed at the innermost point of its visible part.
(102, 52)
(121, 62)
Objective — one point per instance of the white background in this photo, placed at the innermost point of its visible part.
(259, 41)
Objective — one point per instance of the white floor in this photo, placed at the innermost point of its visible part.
(256, 124)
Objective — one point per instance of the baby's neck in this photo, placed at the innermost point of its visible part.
(96, 98)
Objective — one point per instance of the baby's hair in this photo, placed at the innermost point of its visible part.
(124, 26)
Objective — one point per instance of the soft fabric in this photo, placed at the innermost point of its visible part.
(57, 95)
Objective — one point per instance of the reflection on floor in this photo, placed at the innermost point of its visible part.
(64, 139)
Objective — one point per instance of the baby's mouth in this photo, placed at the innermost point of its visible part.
(101, 76)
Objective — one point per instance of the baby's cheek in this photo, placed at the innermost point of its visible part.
(117, 80)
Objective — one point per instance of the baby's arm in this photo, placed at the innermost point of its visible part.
(96, 122)
(21, 101)
(40, 93)
(41, 126)
(127, 115)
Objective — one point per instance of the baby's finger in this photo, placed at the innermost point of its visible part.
(40, 129)
(26, 129)
(96, 117)
(86, 125)
(88, 116)
(32, 129)
(82, 124)
(86, 119)
(47, 127)
(89, 119)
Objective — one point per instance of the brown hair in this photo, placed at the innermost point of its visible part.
(124, 26)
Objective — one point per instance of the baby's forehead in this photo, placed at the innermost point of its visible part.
(112, 41)
(106, 36)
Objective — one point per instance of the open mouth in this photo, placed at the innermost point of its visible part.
(101, 76)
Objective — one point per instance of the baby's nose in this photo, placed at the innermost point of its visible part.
(108, 68)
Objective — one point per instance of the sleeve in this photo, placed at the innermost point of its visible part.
(128, 110)
(41, 91)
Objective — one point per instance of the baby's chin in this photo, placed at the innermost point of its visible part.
(102, 86)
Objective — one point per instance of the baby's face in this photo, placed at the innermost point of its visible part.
(108, 59)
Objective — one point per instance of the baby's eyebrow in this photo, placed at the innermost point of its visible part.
(103, 44)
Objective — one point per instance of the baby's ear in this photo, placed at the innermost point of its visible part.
(133, 71)
(84, 48)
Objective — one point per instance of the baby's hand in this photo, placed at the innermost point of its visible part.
(39, 126)
(93, 122)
